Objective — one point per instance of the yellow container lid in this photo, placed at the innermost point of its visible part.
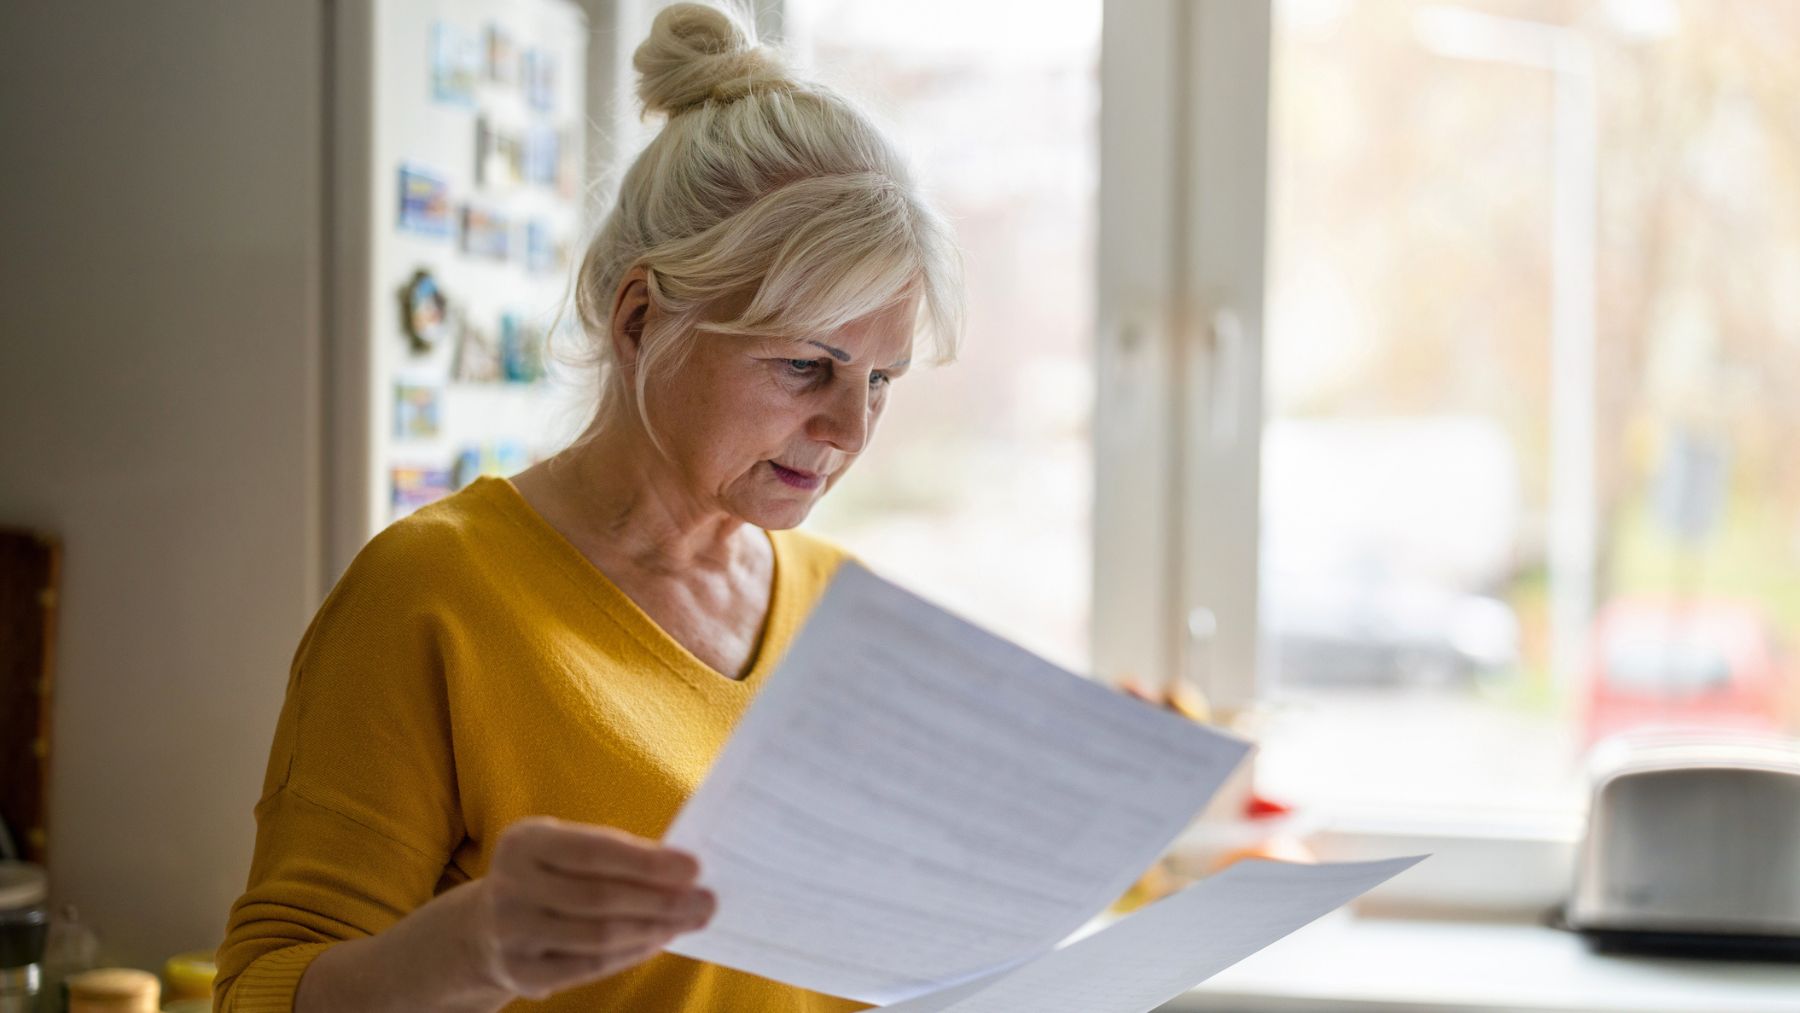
(190, 975)
(114, 990)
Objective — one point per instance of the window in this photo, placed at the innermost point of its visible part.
(1502, 342)
(1442, 356)
(976, 492)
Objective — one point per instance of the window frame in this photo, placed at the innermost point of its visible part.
(1184, 153)
(1183, 220)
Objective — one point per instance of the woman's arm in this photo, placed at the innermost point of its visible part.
(565, 904)
(414, 965)
(360, 812)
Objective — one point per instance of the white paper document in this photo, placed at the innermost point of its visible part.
(1154, 955)
(912, 804)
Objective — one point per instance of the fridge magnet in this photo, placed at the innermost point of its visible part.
(413, 487)
(502, 57)
(424, 203)
(416, 411)
(510, 150)
(498, 155)
(470, 464)
(539, 70)
(485, 233)
(477, 357)
(502, 457)
(456, 64)
(541, 144)
(484, 149)
(540, 248)
(521, 349)
(423, 312)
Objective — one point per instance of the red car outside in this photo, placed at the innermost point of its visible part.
(1702, 664)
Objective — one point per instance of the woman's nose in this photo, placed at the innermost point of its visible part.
(844, 423)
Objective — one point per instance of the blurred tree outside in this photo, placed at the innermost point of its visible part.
(1411, 265)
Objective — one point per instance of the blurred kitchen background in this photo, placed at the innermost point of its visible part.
(1416, 385)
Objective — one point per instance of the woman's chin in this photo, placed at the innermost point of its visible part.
(777, 514)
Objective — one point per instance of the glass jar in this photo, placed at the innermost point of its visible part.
(23, 923)
(70, 948)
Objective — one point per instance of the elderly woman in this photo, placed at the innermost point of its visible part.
(509, 694)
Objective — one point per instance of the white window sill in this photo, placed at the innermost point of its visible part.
(1345, 962)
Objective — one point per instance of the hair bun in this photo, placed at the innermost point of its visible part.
(697, 53)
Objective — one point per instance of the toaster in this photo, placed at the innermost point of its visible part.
(1692, 848)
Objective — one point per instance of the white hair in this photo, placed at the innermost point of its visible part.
(762, 184)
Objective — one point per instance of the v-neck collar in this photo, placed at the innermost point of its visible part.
(632, 620)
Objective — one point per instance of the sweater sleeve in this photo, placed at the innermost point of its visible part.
(359, 815)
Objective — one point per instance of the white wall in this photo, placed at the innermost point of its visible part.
(160, 351)
(163, 370)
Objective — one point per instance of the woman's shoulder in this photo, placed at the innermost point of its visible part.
(433, 550)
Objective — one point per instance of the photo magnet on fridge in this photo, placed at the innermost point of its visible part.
(425, 203)
(456, 64)
(502, 57)
(521, 349)
(417, 411)
(540, 248)
(413, 487)
(541, 147)
(484, 149)
(499, 155)
(485, 233)
(539, 69)
(424, 312)
(477, 358)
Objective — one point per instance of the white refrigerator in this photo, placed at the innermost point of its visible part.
(459, 137)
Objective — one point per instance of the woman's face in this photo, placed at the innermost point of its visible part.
(761, 427)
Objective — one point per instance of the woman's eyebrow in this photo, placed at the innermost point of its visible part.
(836, 353)
(843, 356)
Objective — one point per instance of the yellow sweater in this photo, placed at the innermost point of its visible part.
(472, 668)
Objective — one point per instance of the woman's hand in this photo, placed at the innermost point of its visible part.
(564, 904)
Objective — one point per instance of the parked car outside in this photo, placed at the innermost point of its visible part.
(1708, 664)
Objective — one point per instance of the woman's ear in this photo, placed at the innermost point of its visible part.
(631, 310)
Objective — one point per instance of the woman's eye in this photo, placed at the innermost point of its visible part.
(802, 367)
(879, 379)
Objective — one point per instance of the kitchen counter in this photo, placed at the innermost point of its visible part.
(1346, 963)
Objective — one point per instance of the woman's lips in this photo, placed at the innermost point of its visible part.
(798, 479)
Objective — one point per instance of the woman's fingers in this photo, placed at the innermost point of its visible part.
(583, 850)
(545, 976)
(590, 897)
(565, 952)
(569, 903)
(535, 932)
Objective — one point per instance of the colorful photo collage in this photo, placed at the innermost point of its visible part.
(538, 155)
(478, 70)
(525, 142)
(464, 60)
(414, 486)
(510, 351)
(426, 209)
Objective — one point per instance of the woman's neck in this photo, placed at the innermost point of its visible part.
(624, 501)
